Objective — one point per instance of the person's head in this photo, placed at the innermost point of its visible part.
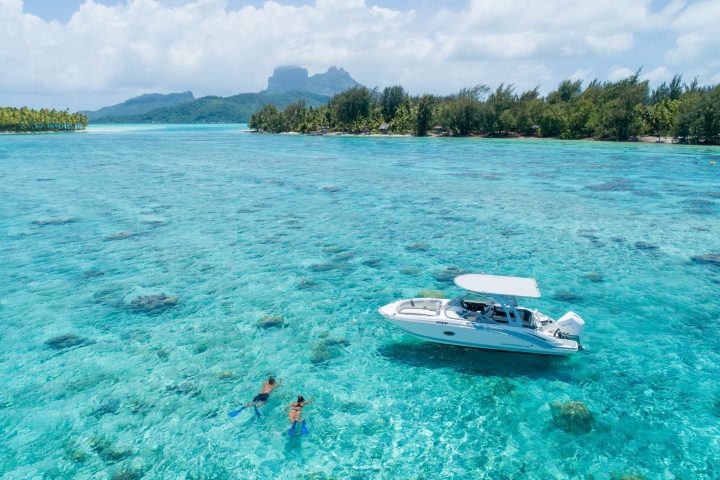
(300, 399)
(271, 380)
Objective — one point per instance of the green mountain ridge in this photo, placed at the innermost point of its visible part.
(212, 109)
(140, 105)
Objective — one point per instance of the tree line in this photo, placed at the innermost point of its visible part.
(612, 110)
(28, 120)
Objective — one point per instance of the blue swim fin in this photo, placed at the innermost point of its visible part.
(291, 432)
(257, 412)
(304, 429)
(234, 413)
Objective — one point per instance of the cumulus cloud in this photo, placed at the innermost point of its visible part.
(583, 74)
(608, 44)
(618, 73)
(657, 75)
(105, 53)
(698, 36)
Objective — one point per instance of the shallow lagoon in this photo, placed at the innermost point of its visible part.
(321, 231)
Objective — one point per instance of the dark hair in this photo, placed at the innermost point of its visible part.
(271, 380)
(300, 399)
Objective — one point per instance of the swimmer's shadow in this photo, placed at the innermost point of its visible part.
(475, 361)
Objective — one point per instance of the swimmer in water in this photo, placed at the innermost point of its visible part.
(296, 409)
(261, 398)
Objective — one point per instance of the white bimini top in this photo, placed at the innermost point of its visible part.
(512, 286)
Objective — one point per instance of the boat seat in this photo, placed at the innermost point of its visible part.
(499, 315)
(418, 311)
(473, 306)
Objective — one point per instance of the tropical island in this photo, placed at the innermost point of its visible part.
(286, 85)
(27, 120)
(622, 110)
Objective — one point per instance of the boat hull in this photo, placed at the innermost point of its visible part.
(482, 336)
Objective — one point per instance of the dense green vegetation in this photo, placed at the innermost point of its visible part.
(28, 120)
(617, 110)
(234, 109)
(139, 105)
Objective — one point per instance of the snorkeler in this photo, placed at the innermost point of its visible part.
(295, 414)
(261, 398)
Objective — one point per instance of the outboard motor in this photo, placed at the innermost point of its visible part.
(571, 326)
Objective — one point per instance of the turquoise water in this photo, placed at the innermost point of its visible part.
(321, 231)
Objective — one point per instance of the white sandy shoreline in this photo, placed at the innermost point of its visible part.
(640, 139)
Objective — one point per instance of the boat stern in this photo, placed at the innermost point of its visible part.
(571, 326)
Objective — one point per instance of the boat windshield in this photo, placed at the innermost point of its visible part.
(482, 308)
(475, 302)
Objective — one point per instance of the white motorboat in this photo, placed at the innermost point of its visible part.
(488, 316)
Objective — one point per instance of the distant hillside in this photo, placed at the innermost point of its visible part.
(285, 86)
(235, 109)
(335, 80)
(140, 105)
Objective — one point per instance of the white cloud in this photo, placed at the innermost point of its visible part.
(609, 44)
(657, 75)
(106, 53)
(618, 73)
(583, 74)
(698, 34)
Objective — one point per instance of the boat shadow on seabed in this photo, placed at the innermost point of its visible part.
(477, 361)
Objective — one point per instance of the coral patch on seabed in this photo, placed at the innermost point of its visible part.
(321, 354)
(430, 294)
(184, 388)
(109, 406)
(372, 262)
(327, 266)
(128, 473)
(67, 340)
(154, 221)
(109, 451)
(595, 277)
(270, 321)
(627, 476)
(410, 271)
(336, 342)
(447, 274)
(93, 273)
(572, 417)
(55, 221)
(120, 235)
(642, 245)
(306, 284)
(151, 304)
(707, 258)
(567, 296)
(327, 349)
(614, 185)
(344, 256)
(417, 247)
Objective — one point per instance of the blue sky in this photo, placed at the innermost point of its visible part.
(85, 54)
(62, 10)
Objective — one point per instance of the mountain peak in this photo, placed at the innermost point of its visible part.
(289, 77)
